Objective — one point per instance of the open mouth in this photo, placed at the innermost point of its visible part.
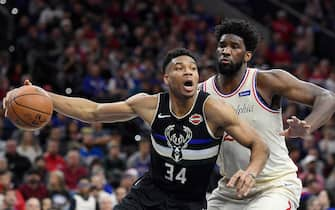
(188, 85)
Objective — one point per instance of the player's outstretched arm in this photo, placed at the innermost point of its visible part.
(89, 111)
(322, 101)
(223, 118)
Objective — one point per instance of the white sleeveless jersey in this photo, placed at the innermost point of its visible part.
(266, 121)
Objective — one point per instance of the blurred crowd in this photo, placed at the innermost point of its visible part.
(109, 50)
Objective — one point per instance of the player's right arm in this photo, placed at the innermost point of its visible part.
(222, 118)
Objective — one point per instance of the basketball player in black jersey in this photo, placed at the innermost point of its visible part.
(187, 126)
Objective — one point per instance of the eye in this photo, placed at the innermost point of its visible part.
(222, 45)
(236, 46)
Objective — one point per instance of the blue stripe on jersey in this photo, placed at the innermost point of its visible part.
(193, 141)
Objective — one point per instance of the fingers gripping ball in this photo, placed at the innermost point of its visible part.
(30, 108)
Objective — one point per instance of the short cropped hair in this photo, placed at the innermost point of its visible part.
(241, 28)
(175, 53)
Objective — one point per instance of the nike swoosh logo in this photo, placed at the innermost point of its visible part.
(160, 115)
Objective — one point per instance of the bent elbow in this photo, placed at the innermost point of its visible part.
(266, 149)
(329, 97)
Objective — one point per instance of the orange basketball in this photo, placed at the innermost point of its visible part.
(29, 108)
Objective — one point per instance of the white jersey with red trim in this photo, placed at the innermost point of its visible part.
(268, 122)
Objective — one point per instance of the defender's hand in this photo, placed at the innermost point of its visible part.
(243, 181)
(297, 128)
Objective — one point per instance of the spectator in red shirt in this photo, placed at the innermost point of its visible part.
(73, 170)
(283, 26)
(53, 161)
(280, 57)
(33, 187)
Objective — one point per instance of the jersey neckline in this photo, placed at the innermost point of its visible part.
(187, 113)
(236, 90)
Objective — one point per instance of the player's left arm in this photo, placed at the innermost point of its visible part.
(222, 118)
(322, 101)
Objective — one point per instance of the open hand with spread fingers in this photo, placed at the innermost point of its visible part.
(297, 128)
(243, 181)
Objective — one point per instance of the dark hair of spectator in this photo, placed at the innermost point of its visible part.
(241, 28)
(176, 53)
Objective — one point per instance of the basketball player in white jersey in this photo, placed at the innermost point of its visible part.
(256, 97)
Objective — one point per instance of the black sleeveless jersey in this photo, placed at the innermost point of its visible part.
(183, 151)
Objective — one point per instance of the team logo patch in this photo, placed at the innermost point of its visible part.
(177, 139)
(195, 119)
(244, 93)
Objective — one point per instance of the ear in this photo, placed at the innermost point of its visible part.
(166, 78)
(247, 56)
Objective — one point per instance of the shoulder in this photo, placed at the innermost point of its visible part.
(140, 96)
(216, 108)
(274, 78)
(214, 102)
(272, 74)
(143, 99)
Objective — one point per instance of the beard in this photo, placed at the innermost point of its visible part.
(229, 69)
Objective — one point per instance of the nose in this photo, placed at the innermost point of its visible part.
(188, 71)
(226, 51)
(223, 51)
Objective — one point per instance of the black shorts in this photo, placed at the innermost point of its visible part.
(144, 195)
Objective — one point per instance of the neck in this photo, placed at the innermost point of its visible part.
(180, 106)
(228, 83)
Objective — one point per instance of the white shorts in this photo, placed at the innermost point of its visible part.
(280, 194)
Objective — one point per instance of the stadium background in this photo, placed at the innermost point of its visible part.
(109, 50)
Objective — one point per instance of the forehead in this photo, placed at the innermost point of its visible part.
(231, 38)
(183, 59)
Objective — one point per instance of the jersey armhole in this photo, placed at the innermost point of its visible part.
(157, 107)
(260, 100)
(201, 86)
(205, 119)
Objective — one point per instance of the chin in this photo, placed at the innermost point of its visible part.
(189, 94)
(229, 69)
(227, 73)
